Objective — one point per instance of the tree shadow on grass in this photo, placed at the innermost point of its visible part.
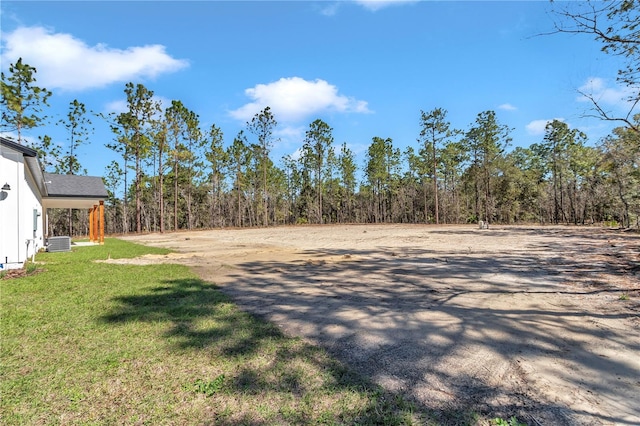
(275, 378)
(184, 304)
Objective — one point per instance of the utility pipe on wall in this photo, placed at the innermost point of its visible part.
(18, 203)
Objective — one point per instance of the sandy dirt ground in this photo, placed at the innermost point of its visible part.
(538, 322)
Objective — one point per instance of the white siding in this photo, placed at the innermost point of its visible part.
(18, 238)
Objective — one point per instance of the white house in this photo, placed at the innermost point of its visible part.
(25, 195)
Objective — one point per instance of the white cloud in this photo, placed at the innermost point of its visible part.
(330, 9)
(537, 127)
(374, 5)
(293, 99)
(116, 107)
(65, 62)
(507, 107)
(290, 133)
(597, 88)
(26, 139)
(296, 155)
(120, 105)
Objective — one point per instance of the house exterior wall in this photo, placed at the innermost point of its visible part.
(21, 233)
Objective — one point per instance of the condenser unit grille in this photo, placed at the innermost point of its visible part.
(59, 244)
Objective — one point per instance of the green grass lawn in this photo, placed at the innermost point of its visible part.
(85, 343)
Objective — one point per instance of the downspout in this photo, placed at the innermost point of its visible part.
(45, 213)
(18, 203)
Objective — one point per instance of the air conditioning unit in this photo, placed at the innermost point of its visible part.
(58, 244)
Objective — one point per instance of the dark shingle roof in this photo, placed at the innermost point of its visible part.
(17, 147)
(75, 186)
(30, 160)
(62, 186)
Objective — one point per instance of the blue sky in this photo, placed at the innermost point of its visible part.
(367, 68)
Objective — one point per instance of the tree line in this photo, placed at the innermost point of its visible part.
(172, 174)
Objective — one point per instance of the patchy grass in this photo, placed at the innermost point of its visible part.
(97, 343)
(513, 421)
(29, 268)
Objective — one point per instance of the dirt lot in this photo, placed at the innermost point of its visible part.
(540, 322)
